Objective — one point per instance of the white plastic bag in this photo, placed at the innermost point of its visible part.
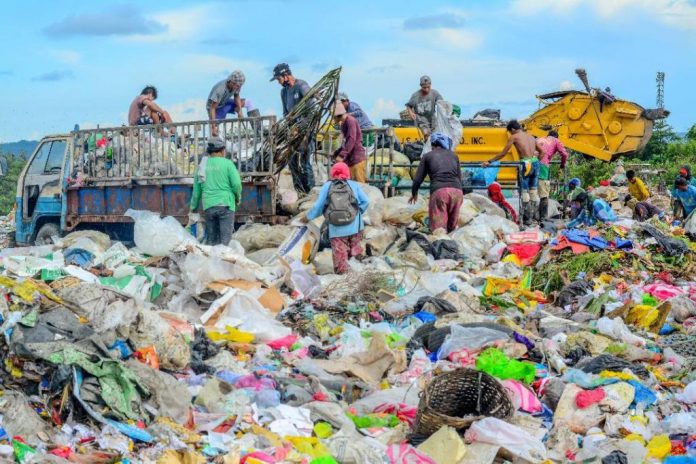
(467, 212)
(301, 279)
(373, 215)
(616, 328)
(445, 122)
(689, 394)
(240, 309)
(514, 439)
(302, 244)
(397, 210)
(469, 338)
(497, 223)
(484, 204)
(255, 237)
(156, 236)
(495, 254)
(474, 240)
(323, 262)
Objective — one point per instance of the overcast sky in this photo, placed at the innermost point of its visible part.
(68, 62)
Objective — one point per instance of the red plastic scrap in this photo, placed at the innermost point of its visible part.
(589, 397)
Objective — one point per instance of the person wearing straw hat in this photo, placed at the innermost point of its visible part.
(351, 150)
(218, 183)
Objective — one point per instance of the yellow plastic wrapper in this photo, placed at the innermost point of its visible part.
(635, 437)
(231, 334)
(641, 316)
(617, 375)
(311, 446)
(659, 446)
(28, 288)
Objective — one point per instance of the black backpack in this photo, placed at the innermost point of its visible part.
(342, 206)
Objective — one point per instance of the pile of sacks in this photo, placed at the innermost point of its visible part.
(434, 349)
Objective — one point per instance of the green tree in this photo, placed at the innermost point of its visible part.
(662, 136)
(8, 182)
(691, 133)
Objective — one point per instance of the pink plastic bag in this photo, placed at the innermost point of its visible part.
(402, 411)
(407, 454)
(662, 290)
(522, 397)
(517, 441)
(284, 342)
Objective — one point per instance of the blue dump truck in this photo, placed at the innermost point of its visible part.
(87, 179)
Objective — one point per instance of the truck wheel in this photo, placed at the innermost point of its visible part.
(46, 233)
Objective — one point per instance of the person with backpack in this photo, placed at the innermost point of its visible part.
(441, 165)
(342, 202)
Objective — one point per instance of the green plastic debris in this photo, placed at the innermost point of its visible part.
(494, 362)
(30, 319)
(23, 452)
(323, 460)
(49, 275)
(374, 420)
(120, 388)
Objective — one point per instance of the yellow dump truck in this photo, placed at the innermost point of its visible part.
(590, 122)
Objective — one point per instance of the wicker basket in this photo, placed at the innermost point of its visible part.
(458, 399)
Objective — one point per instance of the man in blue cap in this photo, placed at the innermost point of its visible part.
(291, 94)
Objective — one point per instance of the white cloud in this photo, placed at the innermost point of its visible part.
(676, 13)
(181, 24)
(66, 56)
(192, 109)
(384, 109)
(533, 7)
(565, 85)
(458, 38)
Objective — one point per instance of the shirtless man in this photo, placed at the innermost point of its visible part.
(526, 147)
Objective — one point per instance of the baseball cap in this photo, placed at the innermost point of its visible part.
(237, 77)
(280, 70)
(425, 80)
(342, 96)
(215, 144)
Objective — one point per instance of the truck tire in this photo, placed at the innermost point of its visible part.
(46, 232)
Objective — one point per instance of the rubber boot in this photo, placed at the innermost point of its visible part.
(527, 213)
(535, 211)
(543, 209)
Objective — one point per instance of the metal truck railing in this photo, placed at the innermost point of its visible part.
(170, 151)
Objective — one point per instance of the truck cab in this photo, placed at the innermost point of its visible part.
(40, 188)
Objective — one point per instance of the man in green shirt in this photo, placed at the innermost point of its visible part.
(217, 180)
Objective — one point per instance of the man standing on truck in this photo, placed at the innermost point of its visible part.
(143, 110)
(351, 150)
(548, 146)
(421, 106)
(357, 112)
(217, 180)
(291, 94)
(224, 99)
(527, 149)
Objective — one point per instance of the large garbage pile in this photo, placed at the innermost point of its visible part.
(487, 345)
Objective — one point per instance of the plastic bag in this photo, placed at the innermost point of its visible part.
(255, 237)
(402, 166)
(474, 240)
(240, 309)
(467, 212)
(484, 204)
(470, 338)
(323, 262)
(494, 362)
(373, 215)
(689, 394)
(616, 328)
(300, 278)
(497, 223)
(378, 239)
(156, 236)
(514, 439)
(397, 210)
(301, 245)
(445, 122)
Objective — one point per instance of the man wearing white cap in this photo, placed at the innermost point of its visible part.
(421, 106)
(224, 99)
